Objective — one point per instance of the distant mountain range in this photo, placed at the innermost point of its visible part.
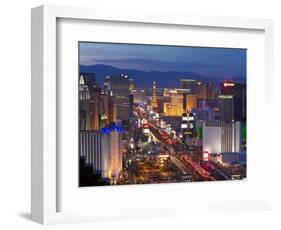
(145, 79)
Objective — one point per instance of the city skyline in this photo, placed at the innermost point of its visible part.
(131, 131)
(224, 63)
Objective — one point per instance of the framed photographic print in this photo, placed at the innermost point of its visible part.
(137, 114)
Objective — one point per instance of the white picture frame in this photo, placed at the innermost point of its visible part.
(45, 168)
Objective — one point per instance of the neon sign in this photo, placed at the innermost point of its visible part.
(228, 84)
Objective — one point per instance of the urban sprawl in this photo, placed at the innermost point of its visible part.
(131, 135)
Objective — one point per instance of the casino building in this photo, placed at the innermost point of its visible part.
(102, 149)
(238, 92)
(221, 136)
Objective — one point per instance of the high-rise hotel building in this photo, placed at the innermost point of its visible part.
(118, 86)
(226, 107)
(92, 150)
(84, 104)
(221, 136)
(201, 89)
(181, 101)
(238, 91)
(190, 84)
(95, 108)
(102, 150)
(89, 79)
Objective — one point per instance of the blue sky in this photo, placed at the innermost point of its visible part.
(213, 62)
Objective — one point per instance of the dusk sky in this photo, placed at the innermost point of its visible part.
(213, 62)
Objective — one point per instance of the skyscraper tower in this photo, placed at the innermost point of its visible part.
(119, 88)
(84, 104)
(154, 104)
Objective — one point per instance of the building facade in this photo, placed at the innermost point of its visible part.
(238, 91)
(118, 86)
(190, 84)
(93, 149)
(89, 78)
(221, 136)
(84, 104)
(226, 107)
(205, 114)
(139, 96)
(180, 101)
(190, 102)
(103, 151)
(201, 90)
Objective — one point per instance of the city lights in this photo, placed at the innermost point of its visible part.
(147, 127)
(228, 84)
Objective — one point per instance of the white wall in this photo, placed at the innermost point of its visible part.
(15, 111)
(212, 139)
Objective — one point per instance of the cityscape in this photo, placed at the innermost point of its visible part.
(153, 114)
